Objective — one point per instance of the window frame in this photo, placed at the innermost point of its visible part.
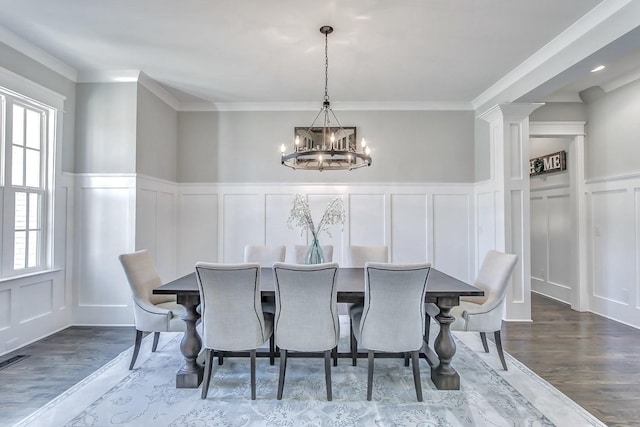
(49, 117)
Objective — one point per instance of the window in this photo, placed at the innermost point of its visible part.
(26, 137)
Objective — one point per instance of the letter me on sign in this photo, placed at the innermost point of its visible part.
(550, 163)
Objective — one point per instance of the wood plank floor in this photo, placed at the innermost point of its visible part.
(592, 360)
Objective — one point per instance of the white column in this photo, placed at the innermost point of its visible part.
(509, 139)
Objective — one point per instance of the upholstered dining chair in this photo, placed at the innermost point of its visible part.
(265, 255)
(152, 313)
(484, 314)
(301, 253)
(306, 313)
(393, 316)
(232, 314)
(358, 256)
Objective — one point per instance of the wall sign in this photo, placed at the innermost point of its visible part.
(546, 164)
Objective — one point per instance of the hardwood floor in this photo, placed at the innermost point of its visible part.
(54, 364)
(592, 360)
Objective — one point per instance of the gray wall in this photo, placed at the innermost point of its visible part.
(156, 142)
(482, 154)
(613, 133)
(407, 146)
(21, 64)
(106, 128)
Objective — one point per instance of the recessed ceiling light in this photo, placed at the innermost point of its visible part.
(598, 68)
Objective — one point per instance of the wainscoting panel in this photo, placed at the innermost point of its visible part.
(197, 228)
(409, 228)
(452, 218)
(613, 246)
(243, 223)
(367, 219)
(277, 232)
(104, 223)
(486, 224)
(551, 249)
(40, 297)
(5, 310)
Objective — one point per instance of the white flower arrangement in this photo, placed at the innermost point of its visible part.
(300, 216)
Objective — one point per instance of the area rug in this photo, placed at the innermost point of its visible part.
(147, 395)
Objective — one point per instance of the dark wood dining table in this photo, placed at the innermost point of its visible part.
(442, 290)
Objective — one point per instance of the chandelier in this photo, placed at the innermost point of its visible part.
(326, 147)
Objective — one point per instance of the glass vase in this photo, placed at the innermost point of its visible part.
(314, 254)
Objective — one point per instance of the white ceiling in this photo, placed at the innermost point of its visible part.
(446, 52)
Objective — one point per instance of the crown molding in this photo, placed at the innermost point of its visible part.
(108, 76)
(32, 51)
(159, 91)
(338, 106)
(606, 22)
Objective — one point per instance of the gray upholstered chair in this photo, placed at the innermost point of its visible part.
(393, 316)
(301, 253)
(232, 314)
(358, 256)
(265, 255)
(152, 313)
(484, 314)
(306, 313)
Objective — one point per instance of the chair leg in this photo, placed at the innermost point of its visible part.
(415, 360)
(208, 362)
(283, 368)
(272, 346)
(136, 348)
(483, 337)
(354, 349)
(496, 335)
(253, 374)
(220, 358)
(156, 338)
(406, 359)
(334, 355)
(370, 376)
(327, 373)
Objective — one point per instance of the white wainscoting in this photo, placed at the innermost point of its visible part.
(417, 222)
(614, 248)
(551, 249)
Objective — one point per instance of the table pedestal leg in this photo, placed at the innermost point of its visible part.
(190, 375)
(443, 375)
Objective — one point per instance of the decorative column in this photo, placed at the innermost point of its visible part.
(502, 204)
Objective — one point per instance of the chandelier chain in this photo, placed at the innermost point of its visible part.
(326, 67)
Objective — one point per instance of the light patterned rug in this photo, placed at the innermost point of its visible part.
(147, 395)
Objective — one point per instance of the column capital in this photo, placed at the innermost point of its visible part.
(509, 112)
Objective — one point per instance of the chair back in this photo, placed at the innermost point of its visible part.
(393, 314)
(493, 278)
(358, 256)
(306, 306)
(232, 318)
(143, 277)
(301, 253)
(265, 255)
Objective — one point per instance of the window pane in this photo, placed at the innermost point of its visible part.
(19, 250)
(17, 168)
(21, 211)
(32, 259)
(34, 211)
(18, 125)
(33, 168)
(33, 129)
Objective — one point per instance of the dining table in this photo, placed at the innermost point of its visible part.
(443, 290)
